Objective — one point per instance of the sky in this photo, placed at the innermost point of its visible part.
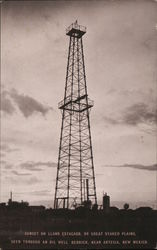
(121, 60)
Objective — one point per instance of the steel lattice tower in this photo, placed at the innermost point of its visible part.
(75, 182)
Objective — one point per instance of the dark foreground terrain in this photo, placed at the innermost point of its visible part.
(39, 228)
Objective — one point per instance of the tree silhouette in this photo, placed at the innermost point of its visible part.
(126, 206)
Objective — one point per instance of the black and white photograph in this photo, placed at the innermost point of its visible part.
(78, 124)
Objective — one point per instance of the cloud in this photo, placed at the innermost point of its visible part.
(8, 166)
(30, 180)
(6, 104)
(3, 162)
(36, 166)
(28, 105)
(30, 166)
(41, 193)
(19, 174)
(2, 155)
(48, 164)
(7, 149)
(5, 165)
(110, 120)
(36, 193)
(140, 113)
(136, 114)
(136, 166)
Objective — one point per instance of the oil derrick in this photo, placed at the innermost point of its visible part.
(75, 181)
